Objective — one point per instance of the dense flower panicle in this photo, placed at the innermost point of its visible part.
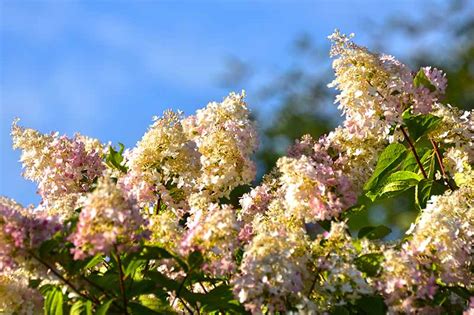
(226, 139)
(60, 165)
(16, 298)
(273, 272)
(213, 231)
(314, 189)
(375, 89)
(439, 251)
(369, 85)
(257, 200)
(333, 256)
(108, 221)
(357, 157)
(424, 98)
(164, 163)
(22, 230)
(456, 132)
(165, 230)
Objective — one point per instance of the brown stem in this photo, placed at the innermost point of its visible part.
(62, 278)
(158, 205)
(178, 292)
(203, 287)
(122, 284)
(312, 286)
(412, 147)
(441, 165)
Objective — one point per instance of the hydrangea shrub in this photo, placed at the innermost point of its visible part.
(151, 229)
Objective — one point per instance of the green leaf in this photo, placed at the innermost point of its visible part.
(104, 307)
(372, 305)
(389, 159)
(78, 308)
(340, 310)
(88, 307)
(53, 303)
(94, 261)
(426, 155)
(143, 287)
(195, 260)
(396, 183)
(425, 189)
(221, 299)
(374, 232)
(421, 80)
(462, 292)
(134, 265)
(34, 283)
(138, 309)
(163, 281)
(326, 225)
(419, 125)
(369, 263)
(47, 247)
(114, 159)
(108, 281)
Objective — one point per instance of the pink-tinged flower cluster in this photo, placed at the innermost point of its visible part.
(108, 222)
(334, 254)
(424, 97)
(226, 138)
(438, 254)
(253, 203)
(213, 231)
(375, 89)
(369, 85)
(208, 153)
(273, 272)
(314, 189)
(164, 165)
(60, 165)
(22, 230)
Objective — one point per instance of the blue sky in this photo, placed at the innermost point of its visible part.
(104, 68)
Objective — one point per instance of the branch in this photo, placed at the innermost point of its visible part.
(121, 277)
(412, 147)
(178, 297)
(62, 278)
(441, 165)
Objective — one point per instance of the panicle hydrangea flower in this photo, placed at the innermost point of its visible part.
(456, 132)
(213, 231)
(375, 89)
(425, 97)
(256, 201)
(165, 230)
(357, 157)
(108, 221)
(342, 283)
(60, 165)
(313, 188)
(273, 272)
(439, 251)
(369, 86)
(22, 230)
(226, 139)
(16, 298)
(164, 164)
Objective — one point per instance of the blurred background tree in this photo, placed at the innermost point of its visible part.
(302, 103)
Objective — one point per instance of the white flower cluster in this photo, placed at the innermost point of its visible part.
(16, 298)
